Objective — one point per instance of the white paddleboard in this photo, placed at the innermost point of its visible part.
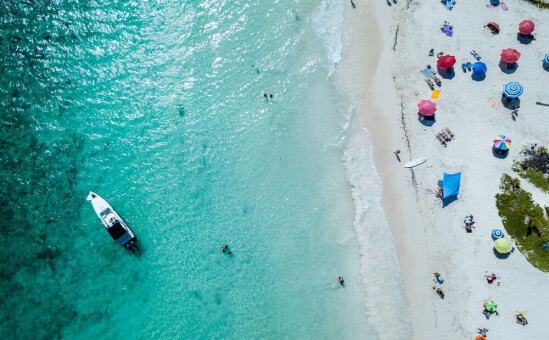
(415, 162)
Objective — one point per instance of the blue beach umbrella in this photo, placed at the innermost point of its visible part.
(513, 89)
(496, 233)
(479, 69)
(546, 59)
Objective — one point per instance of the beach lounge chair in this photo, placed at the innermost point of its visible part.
(468, 66)
(445, 136)
(464, 67)
(439, 137)
(503, 6)
(450, 133)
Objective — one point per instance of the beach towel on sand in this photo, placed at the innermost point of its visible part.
(427, 73)
(435, 94)
(503, 6)
(449, 4)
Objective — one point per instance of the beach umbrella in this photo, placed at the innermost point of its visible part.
(513, 89)
(526, 27)
(479, 68)
(502, 143)
(427, 107)
(510, 55)
(446, 61)
(480, 337)
(491, 306)
(496, 233)
(502, 245)
(546, 59)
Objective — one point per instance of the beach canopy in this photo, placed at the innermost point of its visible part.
(479, 68)
(513, 89)
(450, 184)
(427, 107)
(493, 27)
(446, 61)
(497, 233)
(526, 27)
(546, 59)
(502, 245)
(510, 55)
(448, 30)
(491, 306)
(502, 143)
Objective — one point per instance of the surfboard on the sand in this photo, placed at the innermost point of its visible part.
(415, 162)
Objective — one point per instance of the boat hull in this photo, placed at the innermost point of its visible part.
(113, 223)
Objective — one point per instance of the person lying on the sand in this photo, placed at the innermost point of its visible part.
(490, 278)
(521, 319)
(438, 278)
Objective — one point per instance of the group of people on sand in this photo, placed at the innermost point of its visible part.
(438, 279)
(469, 223)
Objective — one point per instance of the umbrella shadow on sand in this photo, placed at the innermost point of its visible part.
(448, 200)
(427, 121)
(447, 73)
(507, 68)
(478, 77)
(499, 154)
(525, 39)
(500, 255)
(510, 103)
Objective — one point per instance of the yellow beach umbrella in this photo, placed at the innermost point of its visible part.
(502, 245)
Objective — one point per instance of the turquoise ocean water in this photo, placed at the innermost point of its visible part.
(158, 107)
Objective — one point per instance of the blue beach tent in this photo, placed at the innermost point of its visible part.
(450, 184)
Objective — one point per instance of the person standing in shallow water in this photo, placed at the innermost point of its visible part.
(341, 281)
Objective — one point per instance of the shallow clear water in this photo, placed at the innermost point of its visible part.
(159, 108)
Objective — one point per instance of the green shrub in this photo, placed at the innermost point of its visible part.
(524, 221)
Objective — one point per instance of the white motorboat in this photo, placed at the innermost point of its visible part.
(116, 227)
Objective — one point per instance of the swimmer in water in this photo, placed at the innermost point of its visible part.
(341, 281)
(225, 247)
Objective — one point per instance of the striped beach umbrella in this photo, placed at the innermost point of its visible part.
(491, 306)
(513, 89)
(502, 245)
(502, 143)
(496, 233)
(546, 59)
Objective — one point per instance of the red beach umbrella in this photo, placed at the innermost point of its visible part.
(526, 27)
(446, 61)
(427, 107)
(510, 55)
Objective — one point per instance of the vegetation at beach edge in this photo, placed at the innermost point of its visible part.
(539, 3)
(534, 166)
(524, 220)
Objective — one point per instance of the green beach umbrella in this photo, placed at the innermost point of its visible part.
(491, 306)
(502, 245)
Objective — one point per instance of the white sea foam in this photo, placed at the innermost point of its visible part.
(328, 24)
(386, 305)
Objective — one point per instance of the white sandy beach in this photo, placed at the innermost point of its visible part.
(429, 237)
